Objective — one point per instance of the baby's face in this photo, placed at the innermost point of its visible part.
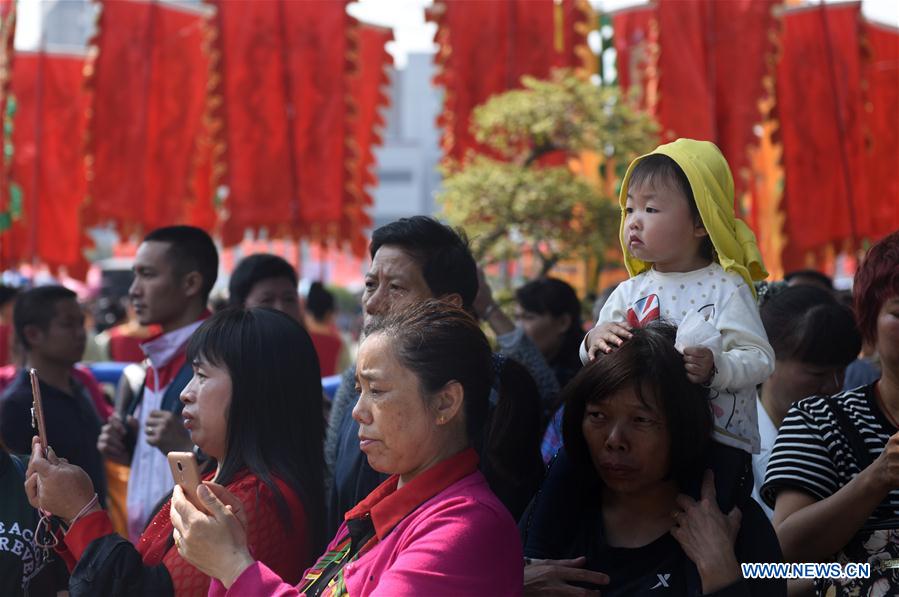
(660, 229)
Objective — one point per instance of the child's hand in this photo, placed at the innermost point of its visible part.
(606, 337)
(699, 363)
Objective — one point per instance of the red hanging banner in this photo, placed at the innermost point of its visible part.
(147, 85)
(881, 120)
(822, 141)
(486, 47)
(48, 137)
(369, 92)
(318, 35)
(636, 42)
(713, 61)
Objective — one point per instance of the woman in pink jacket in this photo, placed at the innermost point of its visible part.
(434, 527)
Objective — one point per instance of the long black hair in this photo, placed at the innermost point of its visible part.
(275, 426)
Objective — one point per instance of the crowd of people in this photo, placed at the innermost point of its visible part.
(702, 421)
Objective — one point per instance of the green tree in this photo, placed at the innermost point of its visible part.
(521, 192)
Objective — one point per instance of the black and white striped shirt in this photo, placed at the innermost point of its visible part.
(812, 454)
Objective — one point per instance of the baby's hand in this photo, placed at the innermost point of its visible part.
(606, 337)
(699, 363)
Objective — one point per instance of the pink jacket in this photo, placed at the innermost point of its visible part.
(461, 541)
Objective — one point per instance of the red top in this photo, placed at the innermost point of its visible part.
(327, 346)
(288, 552)
(124, 347)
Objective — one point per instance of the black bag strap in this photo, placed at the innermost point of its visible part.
(851, 433)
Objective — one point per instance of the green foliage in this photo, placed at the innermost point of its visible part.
(510, 199)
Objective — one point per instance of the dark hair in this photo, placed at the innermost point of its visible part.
(553, 296)
(7, 293)
(319, 301)
(190, 250)
(275, 425)
(439, 343)
(812, 274)
(447, 264)
(806, 323)
(38, 307)
(876, 280)
(658, 169)
(648, 363)
(253, 269)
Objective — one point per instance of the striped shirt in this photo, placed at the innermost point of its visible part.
(811, 453)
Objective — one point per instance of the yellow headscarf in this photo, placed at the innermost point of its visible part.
(713, 189)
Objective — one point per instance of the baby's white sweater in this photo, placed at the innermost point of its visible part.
(725, 300)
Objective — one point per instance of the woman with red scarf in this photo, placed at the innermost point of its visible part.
(253, 407)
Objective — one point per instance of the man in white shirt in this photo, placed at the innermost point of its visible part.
(174, 271)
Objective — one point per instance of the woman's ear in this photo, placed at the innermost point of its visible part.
(563, 322)
(454, 298)
(448, 402)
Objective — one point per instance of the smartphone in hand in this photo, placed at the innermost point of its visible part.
(186, 473)
(37, 410)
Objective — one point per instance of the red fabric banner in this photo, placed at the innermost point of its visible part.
(713, 58)
(636, 48)
(320, 62)
(148, 86)
(48, 137)
(369, 91)
(881, 118)
(251, 74)
(282, 149)
(822, 140)
(518, 37)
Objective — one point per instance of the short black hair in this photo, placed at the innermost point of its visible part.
(813, 274)
(556, 297)
(319, 301)
(658, 168)
(447, 264)
(253, 269)
(648, 363)
(808, 324)
(190, 250)
(38, 307)
(7, 293)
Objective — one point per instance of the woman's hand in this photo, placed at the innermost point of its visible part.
(552, 577)
(54, 485)
(215, 543)
(707, 536)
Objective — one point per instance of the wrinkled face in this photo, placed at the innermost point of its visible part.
(64, 338)
(207, 400)
(394, 281)
(275, 293)
(545, 330)
(793, 380)
(397, 430)
(660, 229)
(887, 343)
(156, 293)
(629, 442)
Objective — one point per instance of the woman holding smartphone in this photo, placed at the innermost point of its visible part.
(254, 407)
(433, 527)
